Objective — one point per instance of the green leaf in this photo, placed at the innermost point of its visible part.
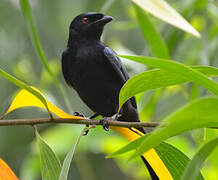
(193, 168)
(27, 13)
(174, 73)
(50, 164)
(175, 160)
(149, 108)
(26, 87)
(197, 114)
(152, 36)
(129, 147)
(67, 161)
(162, 10)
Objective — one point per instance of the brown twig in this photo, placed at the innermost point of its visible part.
(86, 121)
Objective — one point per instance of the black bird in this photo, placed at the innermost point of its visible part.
(94, 70)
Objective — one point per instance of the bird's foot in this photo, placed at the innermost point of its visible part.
(81, 115)
(105, 120)
(104, 123)
(78, 114)
(91, 117)
(87, 131)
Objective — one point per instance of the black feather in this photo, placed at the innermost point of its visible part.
(95, 71)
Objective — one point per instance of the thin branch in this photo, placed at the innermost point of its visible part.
(86, 121)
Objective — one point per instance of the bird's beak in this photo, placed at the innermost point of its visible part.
(101, 22)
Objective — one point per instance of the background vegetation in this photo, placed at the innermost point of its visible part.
(18, 57)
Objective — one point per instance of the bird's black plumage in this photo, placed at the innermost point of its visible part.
(94, 70)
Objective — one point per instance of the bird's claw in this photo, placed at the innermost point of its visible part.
(105, 120)
(91, 117)
(104, 123)
(86, 132)
(78, 114)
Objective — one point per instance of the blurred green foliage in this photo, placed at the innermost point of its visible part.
(17, 56)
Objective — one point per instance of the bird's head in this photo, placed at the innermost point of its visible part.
(89, 25)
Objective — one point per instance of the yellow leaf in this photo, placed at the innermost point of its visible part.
(151, 156)
(26, 99)
(5, 172)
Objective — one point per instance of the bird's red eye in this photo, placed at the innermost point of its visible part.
(85, 20)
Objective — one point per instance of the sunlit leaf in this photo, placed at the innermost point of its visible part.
(174, 73)
(154, 79)
(154, 39)
(5, 172)
(194, 91)
(35, 94)
(50, 164)
(162, 10)
(193, 168)
(27, 13)
(129, 147)
(175, 160)
(26, 99)
(151, 156)
(197, 114)
(148, 110)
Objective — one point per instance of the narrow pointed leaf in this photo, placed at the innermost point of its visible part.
(153, 37)
(50, 164)
(175, 160)
(181, 73)
(154, 79)
(67, 161)
(26, 99)
(162, 10)
(200, 113)
(27, 13)
(193, 169)
(151, 156)
(5, 172)
(22, 85)
(129, 147)
(197, 114)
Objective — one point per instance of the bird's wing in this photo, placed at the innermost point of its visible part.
(65, 67)
(118, 67)
(116, 63)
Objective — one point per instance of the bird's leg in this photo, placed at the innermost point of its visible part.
(105, 120)
(91, 117)
(104, 123)
(81, 115)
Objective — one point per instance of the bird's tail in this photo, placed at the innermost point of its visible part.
(153, 162)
